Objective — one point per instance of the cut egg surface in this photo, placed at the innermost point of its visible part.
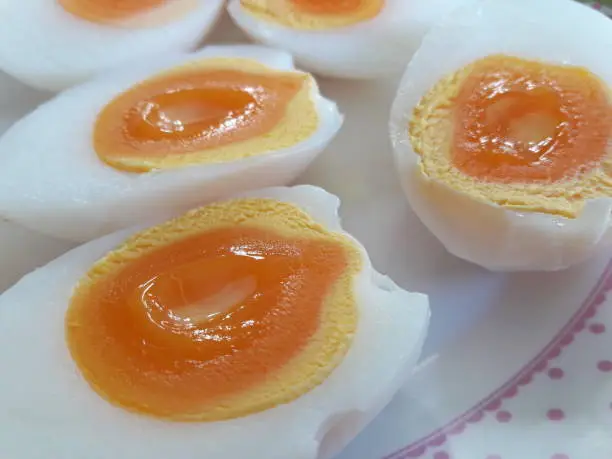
(162, 137)
(506, 157)
(357, 39)
(111, 11)
(55, 44)
(205, 336)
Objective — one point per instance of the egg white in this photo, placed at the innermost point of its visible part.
(16, 100)
(48, 48)
(44, 397)
(371, 49)
(52, 180)
(21, 250)
(482, 232)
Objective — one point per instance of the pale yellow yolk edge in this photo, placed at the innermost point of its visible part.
(300, 122)
(431, 133)
(339, 317)
(284, 13)
(167, 13)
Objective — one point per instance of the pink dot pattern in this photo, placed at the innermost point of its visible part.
(597, 328)
(605, 366)
(503, 416)
(556, 373)
(555, 414)
(581, 322)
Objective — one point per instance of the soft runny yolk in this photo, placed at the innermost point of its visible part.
(191, 111)
(524, 121)
(203, 318)
(109, 10)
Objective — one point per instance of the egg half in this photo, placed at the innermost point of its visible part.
(252, 327)
(348, 38)
(160, 137)
(506, 158)
(54, 44)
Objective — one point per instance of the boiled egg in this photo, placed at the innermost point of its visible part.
(343, 38)
(502, 139)
(54, 44)
(207, 336)
(160, 137)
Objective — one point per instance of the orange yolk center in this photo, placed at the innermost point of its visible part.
(202, 318)
(109, 10)
(315, 14)
(523, 121)
(191, 111)
(331, 7)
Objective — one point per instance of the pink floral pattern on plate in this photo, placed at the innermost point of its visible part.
(579, 323)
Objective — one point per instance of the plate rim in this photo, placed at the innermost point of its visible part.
(522, 378)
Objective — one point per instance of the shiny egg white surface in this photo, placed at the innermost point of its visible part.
(49, 47)
(331, 44)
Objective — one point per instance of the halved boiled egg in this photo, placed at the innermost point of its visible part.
(342, 38)
(207, 336)
(162, 137)
(506, 158)
(54, 44)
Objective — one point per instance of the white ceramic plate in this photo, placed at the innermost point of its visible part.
(516, 366)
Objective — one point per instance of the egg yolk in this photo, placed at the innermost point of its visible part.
(315, 14)
(229, 310)
(205, 115)
(329, 6)
(527, 121)
(109, 10)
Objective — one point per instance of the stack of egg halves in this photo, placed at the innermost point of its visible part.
(210, 305)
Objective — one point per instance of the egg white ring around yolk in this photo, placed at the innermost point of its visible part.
(44, 397)
(52, 180)
(48, 48)
(375, 48)
(482, 232)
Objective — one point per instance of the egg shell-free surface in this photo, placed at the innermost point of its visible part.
(22, 250)
(44, 397)
(370, 49)
(478, 231)
(48, 48)
(52, 180)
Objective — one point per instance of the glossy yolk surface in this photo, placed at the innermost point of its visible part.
(109, 10)
(315, 14)
(526, 121)
(167, 119)
(190, 329)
